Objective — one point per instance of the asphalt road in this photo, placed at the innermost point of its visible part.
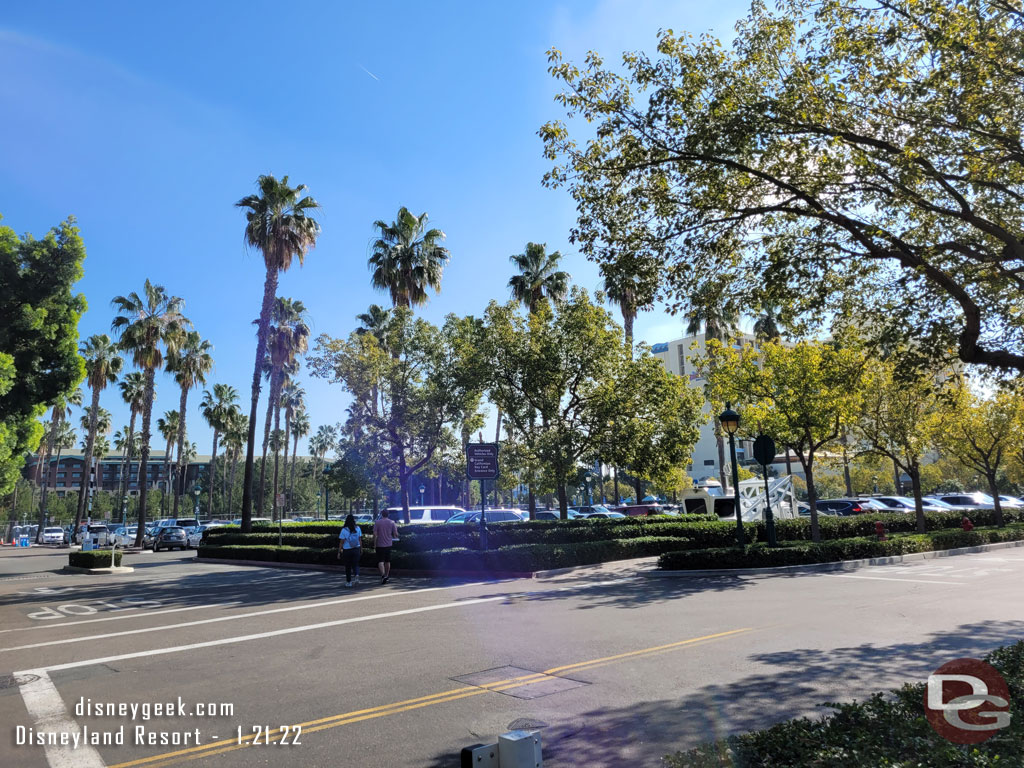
(615, 669)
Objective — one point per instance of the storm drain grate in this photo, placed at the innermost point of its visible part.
(518, 682)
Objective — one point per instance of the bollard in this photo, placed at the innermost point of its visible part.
(966, 524)
(880, 531)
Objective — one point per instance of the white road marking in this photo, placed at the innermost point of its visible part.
(882, 578)
(217, 619)
(119, 618)
(48, 713)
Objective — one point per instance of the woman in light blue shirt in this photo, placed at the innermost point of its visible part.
(350, 549)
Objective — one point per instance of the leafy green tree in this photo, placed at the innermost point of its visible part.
(103, 363)
(897, 418)
(190, 360)
(837, 154)
(800, 395)
(148, 325)
(981, 432)
(39, 362)
(424, 382)
(280, 226)
(407, 258)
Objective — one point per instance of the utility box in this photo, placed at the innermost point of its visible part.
(480, 756)
(520, 749)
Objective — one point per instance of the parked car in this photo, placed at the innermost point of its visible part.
(635, 510)
(491, 516)
(179, 522)
(195, 535)
(125, 536)
(363, 518)
(100, 535)
(604, 515)
(1010, 501)
(966, 501)
(424, 515)
(53, 536)
(846, 507)
(590, 509)
(906, 504)
(170, 537)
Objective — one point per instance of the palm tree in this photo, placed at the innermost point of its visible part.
(189, 362)
(625, 291)
(278, 224)
(104, 422)
(300, 428)
(711, 310)
(148, 325)
(133, 392)
(236, 428)
(58, 417)
(292, 399)
(288, 338)
(324, 440)
(215, 407)
(127, 442)
(102, 365)
(99, 448)
(169, 426)
(407, 258)
(539, 277)
(766, 327)
(64, 438)
(373, 320)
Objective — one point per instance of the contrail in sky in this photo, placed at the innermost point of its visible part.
(368, 72)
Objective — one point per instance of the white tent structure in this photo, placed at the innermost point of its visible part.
(754, 500)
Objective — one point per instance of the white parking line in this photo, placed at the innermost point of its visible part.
(882, 578)
(49, 715)
(119, 618)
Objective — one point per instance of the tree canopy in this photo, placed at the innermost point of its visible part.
(839, 155)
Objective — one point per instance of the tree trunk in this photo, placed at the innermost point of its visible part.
(224, 480)
(291, 494)
(231, 485)
(277, 452)
(896, 478)
(90, 441)
(616, 486)
(531, 499)
(147, 413)
(846, 468)
(403, 475)
(812, 497)
(45, 485)
(789, 464)
(269, 291)
(126, 467)
(167, 478)
(721, 458)
(915, 481)
(563, 501)
(213, 468)
(284, 479)
(994, 492)
(497, 428)
(627, 321)
(260, 498)
(181, 468)
(638, 486)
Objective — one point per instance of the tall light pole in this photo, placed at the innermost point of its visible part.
(730, 421)
(196, 492)
(590, 496)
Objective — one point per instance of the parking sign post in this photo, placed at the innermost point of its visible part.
(482, 465)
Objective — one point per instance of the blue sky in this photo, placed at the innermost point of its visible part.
(148, 121)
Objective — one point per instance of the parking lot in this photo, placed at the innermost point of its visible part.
(613, 667)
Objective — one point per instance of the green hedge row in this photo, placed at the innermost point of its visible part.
(895, 522)
(518, 558)
(885, 730)
(93, 559)
(803, 553)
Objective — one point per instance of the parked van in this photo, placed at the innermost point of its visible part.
(424, 515)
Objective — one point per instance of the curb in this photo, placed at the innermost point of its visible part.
(841, 565)
(118, 569)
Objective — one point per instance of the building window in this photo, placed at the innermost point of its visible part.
(709, 462)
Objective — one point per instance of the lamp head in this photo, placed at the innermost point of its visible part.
(729, 419)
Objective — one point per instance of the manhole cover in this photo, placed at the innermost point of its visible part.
(10, 681)
(526, 724)
(518, 682)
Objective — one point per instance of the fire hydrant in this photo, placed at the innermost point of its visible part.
(966, 524)
(880, 531)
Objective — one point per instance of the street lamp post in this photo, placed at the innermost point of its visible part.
(196, 511)
(590, 496)
(423, 488)
(874, 481)
(730, 421)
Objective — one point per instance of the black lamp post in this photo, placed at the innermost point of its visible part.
(730, 421)
(196, 492)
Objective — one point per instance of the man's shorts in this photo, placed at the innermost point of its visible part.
(383, 554)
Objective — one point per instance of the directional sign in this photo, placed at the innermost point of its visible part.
(764, 450)
(482, 461)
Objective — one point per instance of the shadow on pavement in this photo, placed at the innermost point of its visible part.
(795, 683)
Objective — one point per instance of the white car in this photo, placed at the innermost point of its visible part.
(195, 534)
(53, 536)
(125, 537)
(424, 515)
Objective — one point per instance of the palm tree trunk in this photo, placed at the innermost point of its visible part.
(284, 480)
(291, 494)
(167, 478)
(180, 471)
(45, 486)
(231, 485)
(266, 442)
(269, 291)
(616, 486)
(126, 465)
(497, 428)
(224, 481)
(90, 440)
(147, 414)
(277, 451)
(213, 468)
(627, 321)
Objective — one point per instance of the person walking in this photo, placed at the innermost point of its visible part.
(350, 549)
(385, 533)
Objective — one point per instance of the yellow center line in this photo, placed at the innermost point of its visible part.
(311, 726)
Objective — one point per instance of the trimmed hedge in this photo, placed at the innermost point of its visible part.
(895, 522)
(761, 556)
(97, 558)
(885, 730)
(517, 558)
